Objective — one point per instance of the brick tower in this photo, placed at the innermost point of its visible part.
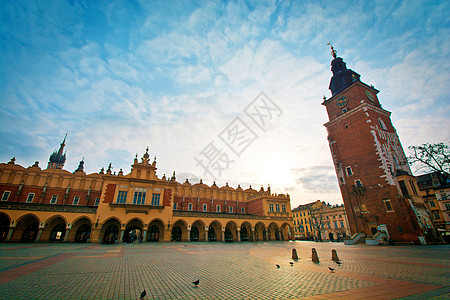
(368, 158)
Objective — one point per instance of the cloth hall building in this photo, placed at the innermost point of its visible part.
(52, 204)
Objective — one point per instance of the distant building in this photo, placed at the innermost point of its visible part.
(320, 221)
(435, 189)
(371, 166)
(56, 205)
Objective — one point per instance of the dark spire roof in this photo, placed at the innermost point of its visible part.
(342, 77)
(58, 158)
(80, 166)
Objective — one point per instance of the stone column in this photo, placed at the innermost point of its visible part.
(38, 236)
(66, 236)
(11, 230)
(95, 236)
(167, 235)
(122, 231)
(206, 235)
(253, 235)
(144, 236)
(188, 235)
(238, 236)
(223, 235)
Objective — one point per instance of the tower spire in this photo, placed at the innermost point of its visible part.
(342, 77)
(333, 52)
(58, 158)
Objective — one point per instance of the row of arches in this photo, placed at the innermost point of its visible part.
(30, 229)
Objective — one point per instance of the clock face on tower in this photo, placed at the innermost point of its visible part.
(341, 101)
(369, 95)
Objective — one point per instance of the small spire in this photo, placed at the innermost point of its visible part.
(333, 52)
(80, 166)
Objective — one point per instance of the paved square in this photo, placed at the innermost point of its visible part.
(226, 271)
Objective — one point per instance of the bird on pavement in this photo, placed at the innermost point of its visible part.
(196, 282)
(331, 269)
(143, 294)
(338, 262)
(278, 266)
(291, 263)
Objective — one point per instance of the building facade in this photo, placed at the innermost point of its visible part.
(435, 190)
(39, 205)
(320, 221)
(370, 162)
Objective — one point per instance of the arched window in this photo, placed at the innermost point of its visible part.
(382, 125)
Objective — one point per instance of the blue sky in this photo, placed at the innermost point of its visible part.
(119, 76)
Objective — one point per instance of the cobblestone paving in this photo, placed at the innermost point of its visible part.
(226, 271)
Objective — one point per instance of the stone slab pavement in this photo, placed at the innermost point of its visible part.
(226, 271)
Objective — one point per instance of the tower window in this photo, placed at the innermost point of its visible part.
(205, 207)
(382, 125)
(230, 209)
(54, 199)
(190, 206)
(344, 110)
(76, 200)
(242, 210)
(388, 205)
(358, 183)
(97, 201)
(271, 207)
(349, 171)
(175, 205)
(218, 208)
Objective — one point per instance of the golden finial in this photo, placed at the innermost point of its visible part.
(333, 52)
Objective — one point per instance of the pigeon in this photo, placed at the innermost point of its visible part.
(331, 269)
(291, 263)
(338, 262)
(143, 294)
(196, 282)
(278, 266)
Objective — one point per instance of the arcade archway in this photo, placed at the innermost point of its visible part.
(179, 231)
(133, 231)
(4, 227)
(110, 230)
(155, 231)
(214, 232)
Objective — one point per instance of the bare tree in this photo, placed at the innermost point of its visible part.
(317, 220)
(432, 157)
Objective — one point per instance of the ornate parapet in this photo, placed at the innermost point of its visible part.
(226, 216)
(136, 208)
(48, 207)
